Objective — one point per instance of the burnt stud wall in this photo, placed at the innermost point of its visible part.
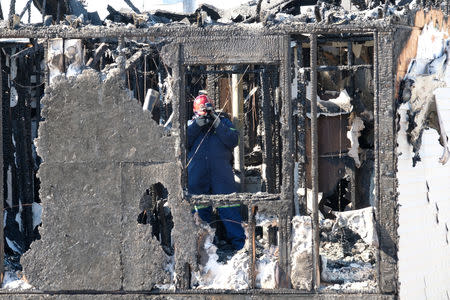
(127, 171)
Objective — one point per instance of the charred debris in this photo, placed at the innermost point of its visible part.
(333, 147)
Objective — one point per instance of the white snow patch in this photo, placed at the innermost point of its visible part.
(343, 101)
(73, 51)
(354, 272)
(14, 97)
(301, 253)
(309, 199)
(55, 50)
(266, 265)
(37, 213)
(363, 286)
(431, 43)
(12, 282)
(266, 269)
(302, 235)
(18, 217)
(353, 134)
(232, 275)
(170, 268)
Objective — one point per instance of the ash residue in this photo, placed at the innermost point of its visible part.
(347, 260)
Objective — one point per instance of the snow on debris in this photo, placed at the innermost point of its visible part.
(347, 248)
(266, 254)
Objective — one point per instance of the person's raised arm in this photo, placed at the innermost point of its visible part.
(194, 128)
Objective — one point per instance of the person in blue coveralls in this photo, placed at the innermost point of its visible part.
(211, 138)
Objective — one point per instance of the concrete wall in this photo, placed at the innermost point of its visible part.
(100, 152)
(424, 215)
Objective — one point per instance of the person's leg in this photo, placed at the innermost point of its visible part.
(199, 183)
(222, 182)
(204, 212)
(231, 218)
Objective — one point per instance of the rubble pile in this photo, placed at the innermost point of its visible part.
(255, 11)
(348, 250)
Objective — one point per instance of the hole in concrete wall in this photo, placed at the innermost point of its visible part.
(252, 149)
(156, 212)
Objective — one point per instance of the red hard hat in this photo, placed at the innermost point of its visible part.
(200, 105)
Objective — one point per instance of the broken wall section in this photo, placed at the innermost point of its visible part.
(100, 152)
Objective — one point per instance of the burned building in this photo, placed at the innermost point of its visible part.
(94, 140)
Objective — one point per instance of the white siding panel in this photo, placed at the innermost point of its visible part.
(424, 253)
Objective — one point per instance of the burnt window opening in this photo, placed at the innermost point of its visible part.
(345, 118)
(216, 248)
(238, 93)
(156, 213)
(345, 126)
(149, 79)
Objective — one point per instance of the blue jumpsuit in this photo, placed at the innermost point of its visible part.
(210, 172)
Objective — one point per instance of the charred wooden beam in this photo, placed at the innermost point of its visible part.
(301, 131)
(267, 137)
(97, 54)
(252, 228)
(28, 51)
(340, 68)
(315, 162)
(42, 9)
(2, 246)
(131, 5)
(27, 7)
(133, 60)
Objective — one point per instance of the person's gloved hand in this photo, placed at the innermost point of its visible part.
(216, 119)
(202, 121)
